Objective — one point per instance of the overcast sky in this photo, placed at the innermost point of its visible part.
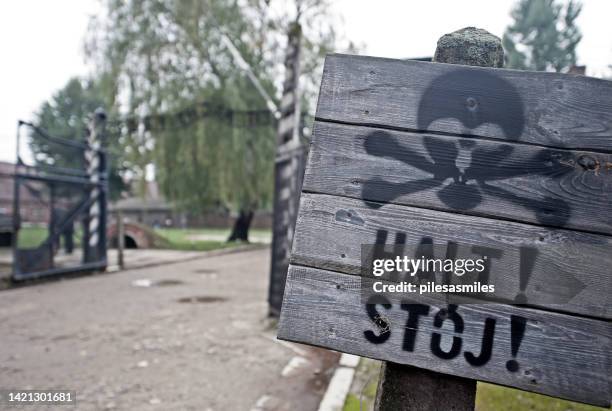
(41, 41)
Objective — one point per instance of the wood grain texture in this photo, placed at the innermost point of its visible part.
(559, 355)
(550, 109)
(484, 157)
(572, 271)
(561, 188)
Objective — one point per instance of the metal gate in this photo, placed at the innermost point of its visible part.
(60, 203)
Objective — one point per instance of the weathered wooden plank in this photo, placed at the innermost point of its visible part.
(571, 273)
(561, 188)
(538, 351)
(556, 110)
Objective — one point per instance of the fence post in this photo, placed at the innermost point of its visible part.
(287, 172)
(120, 239)
(406, 388)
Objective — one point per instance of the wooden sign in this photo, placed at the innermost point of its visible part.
(513, 162)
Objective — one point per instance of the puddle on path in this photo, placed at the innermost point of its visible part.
(205, 271)
(146, 282)
(202, 299)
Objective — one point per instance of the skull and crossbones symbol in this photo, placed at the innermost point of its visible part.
(462, 96)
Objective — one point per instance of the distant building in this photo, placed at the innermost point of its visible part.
(152, 209)
(155, 211)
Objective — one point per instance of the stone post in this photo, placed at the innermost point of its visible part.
(471, 47)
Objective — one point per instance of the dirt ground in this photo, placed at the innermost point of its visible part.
(192, 335)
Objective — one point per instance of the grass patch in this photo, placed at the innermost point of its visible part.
(195, 239)
(31, 237)
(363, 389)
(491, 397)
(221, 234)
(172, 238)
(183, 235)
(186, 239)
(351, 403)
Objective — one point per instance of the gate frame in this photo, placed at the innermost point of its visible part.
(92, 182)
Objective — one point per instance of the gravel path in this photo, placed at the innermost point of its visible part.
(183, 336)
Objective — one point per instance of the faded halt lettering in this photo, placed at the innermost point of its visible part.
(508, 173)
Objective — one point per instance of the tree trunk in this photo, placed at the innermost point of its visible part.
(240, 232)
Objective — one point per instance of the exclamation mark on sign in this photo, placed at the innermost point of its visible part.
(528, 257)
(517, 331)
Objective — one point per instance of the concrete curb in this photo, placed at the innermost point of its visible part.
(203, 254)
(340, 384)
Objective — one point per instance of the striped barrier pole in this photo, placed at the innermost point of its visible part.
(95, 160)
